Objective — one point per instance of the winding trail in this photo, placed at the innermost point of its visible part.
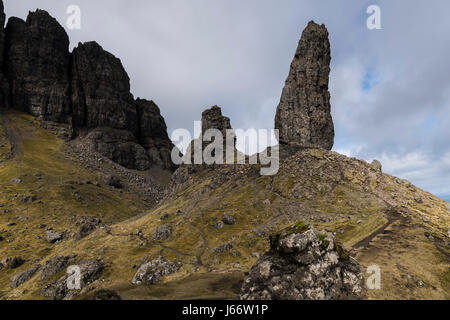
(392, 215)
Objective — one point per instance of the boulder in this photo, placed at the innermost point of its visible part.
(152, 272)
(87, 227)
(303, 116)
(162, 233)
(90, 271)
(377, 165)
(55, 265)
(304, 264)
(228, 219)
(54, 236)
(12, 263)
(22, 277)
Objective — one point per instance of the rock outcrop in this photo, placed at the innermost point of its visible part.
(56, 265)
(128, 132)
(153, 134)
(101, 90)
(303, 115)
(212, 118)
(88, 88)
(153, 271)
(304, 264)
(4, 86)
(90, 271)
(37, 63)
(18, 279)
(120, 146)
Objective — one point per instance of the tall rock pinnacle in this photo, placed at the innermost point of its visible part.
(37, 64)
(4, 86)
(303, 115)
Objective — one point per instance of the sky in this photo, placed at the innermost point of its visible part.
(390, 87)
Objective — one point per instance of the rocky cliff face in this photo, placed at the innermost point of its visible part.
(37, 65)
(153, 134)
(88, 88)
(4, 86)
(303, 115)
(101, 90)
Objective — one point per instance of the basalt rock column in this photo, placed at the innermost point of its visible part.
(153, 134)
(36, 63)
(101, 90)
(303, 115)
(4, 86)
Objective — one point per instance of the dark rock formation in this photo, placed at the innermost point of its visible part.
(120, 146)
(101, 90)
(303, 115)
(88, 88)
(4, 86)
(153, 134)
(304, 264)
(87, 227)
(37, 65)
(228, 219)
(130, 133)
(211, 119)
(152, 272)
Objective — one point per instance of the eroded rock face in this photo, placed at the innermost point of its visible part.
(4, 85)
(101, 90)
(128, 132)
(304, 265)
(213, 119)
(37, 63)
(153, 134)
(303, 115)
(88, 88)
(120, 146)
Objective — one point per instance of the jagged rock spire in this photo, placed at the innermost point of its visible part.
(37, 65)
(303, 115)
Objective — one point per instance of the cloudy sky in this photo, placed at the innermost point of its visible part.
(390, 88)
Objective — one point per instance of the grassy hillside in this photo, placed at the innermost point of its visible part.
(383, 220)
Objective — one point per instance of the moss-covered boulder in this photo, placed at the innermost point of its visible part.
(304, 264)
